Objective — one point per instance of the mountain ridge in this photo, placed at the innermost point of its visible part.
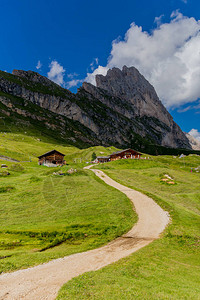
(122, 110)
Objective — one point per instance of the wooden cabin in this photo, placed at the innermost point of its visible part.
(52, 158)
(125, 154)
(103, 159)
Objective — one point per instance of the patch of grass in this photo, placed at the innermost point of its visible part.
(169, 267)
(43, 217)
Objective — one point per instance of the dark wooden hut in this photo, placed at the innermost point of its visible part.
(103, 159)
(125, 154)
(52, 158)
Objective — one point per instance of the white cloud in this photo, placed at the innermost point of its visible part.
(185, 1)
(73, 82)
(72, 75)
(94, 63)
(195, 133)
(39, 65)
(158, 20)
(169, 57)
(56, 72)
(197, 106)
(91, 76)
(182, 110)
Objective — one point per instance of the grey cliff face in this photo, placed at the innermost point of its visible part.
(195, 144)
(62, 106)
(122, 107)
(130, 86)
(129, 93)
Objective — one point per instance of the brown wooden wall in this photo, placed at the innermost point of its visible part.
(58, 158)
(127, 153)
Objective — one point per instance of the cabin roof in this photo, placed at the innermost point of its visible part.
(103, 156)
(121, 151)
(50, 152)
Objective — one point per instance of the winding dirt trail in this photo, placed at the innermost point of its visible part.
(44, 281)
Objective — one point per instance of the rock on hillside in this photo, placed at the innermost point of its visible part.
(122, 110)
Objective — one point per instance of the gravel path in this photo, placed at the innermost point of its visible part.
(2, 157)
(44, 281)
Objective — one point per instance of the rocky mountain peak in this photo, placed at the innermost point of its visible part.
(130, 94)
(125, 83)
(133, 90)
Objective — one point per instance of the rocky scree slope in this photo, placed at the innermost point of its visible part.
(122, 110)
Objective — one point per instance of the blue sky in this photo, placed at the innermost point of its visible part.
(77, 36)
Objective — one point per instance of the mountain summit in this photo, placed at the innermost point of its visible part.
(123, 108)
(131, 95)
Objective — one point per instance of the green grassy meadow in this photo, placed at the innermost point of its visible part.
(169, 267)
(45, 216)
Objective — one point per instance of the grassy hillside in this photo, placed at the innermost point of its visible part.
(45, 216)
(23, 147)
(169, 267)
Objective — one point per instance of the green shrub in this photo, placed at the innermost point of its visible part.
(16, 168)
(34, 179)
(94, 156)
(4, 173)
(5, 189)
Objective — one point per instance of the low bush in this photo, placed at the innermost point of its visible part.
(4, 173)
(16, 168)
(35, 179)
(5, 189)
